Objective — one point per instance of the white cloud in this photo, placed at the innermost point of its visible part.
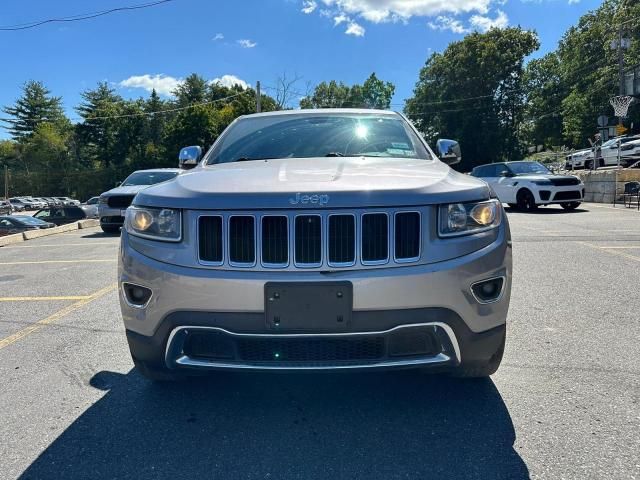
(355, 30)
(229, 81)
(572, 2)
(482, 24)
(377, 11)
(443, 22)
(308, 6)
(163, 84)
(246, 43)
(338, 19)
(218, 36)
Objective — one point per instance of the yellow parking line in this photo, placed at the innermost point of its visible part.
(612, 252)
(56, 316)
(42, 299)
(38, 262)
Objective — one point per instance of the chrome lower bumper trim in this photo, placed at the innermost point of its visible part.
(182, 360)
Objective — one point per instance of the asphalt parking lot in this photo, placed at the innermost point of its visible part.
(564, 404)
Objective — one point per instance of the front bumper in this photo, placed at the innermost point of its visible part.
(556, 194)
(111, 217)
(436, 296)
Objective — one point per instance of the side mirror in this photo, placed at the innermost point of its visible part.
(189, 157)
(448, 151)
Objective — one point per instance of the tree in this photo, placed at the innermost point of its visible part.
(377, 93)
(544, 95)
(374, 93)
(193, 90)
(473, 92)
(98, 132)
(35, 106)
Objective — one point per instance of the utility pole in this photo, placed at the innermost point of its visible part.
(258, 97)
(6, 182)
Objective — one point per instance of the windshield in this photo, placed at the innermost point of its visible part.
(318, 135)
(148, 178)
(527, 168)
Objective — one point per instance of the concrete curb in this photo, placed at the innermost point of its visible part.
(31, 234)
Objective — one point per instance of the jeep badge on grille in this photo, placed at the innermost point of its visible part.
(314, 199)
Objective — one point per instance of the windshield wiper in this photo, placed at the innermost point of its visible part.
(247, 159)
(334, 154)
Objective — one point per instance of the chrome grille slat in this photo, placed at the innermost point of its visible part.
(308, 239)
(407, 236)
(375, 238)
(242, 240)
(342, 240)
(275, 241)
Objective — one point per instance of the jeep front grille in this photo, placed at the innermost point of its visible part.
(310, 240)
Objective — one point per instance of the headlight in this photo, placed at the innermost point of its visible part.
(155, 223)
(542, 182)
(467, 218)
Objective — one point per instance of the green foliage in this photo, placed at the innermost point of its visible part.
(50, 156)
(374, 93)
(474, 92)
(35, 106)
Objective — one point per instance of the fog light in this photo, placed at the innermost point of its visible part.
(136, 295)
(488, 291)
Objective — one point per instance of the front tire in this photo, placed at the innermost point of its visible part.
(526, 201)
(570, 205)
(110, 229)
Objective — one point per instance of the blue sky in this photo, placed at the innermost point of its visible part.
(250, 40)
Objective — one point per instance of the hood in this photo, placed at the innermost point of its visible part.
(331, 182)
(129, 190)
(542, 176)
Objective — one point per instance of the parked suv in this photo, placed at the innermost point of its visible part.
(112, 204)
(316, 240)
(5, 207)
(527, 185)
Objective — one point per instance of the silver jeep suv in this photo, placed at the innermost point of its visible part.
(316, 240)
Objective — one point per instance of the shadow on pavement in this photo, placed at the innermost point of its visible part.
(550, 210)
(278, 426)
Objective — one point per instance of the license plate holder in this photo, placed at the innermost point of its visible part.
(308, 306)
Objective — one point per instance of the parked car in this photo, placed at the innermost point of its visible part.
(629, 151)
(35, 203)
(61, 215)
(21, 223)
(68, 201)
(17, 205)
(316, 240)
(92, 201)
(527, 185)
(28, 203)
(46, 202)
(113, 203)
(578, 159)
(5, 207)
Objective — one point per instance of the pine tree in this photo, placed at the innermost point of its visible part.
(35, 106)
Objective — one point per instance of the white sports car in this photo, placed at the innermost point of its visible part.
(526, 185)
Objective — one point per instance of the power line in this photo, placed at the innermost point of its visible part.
(80, 17)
